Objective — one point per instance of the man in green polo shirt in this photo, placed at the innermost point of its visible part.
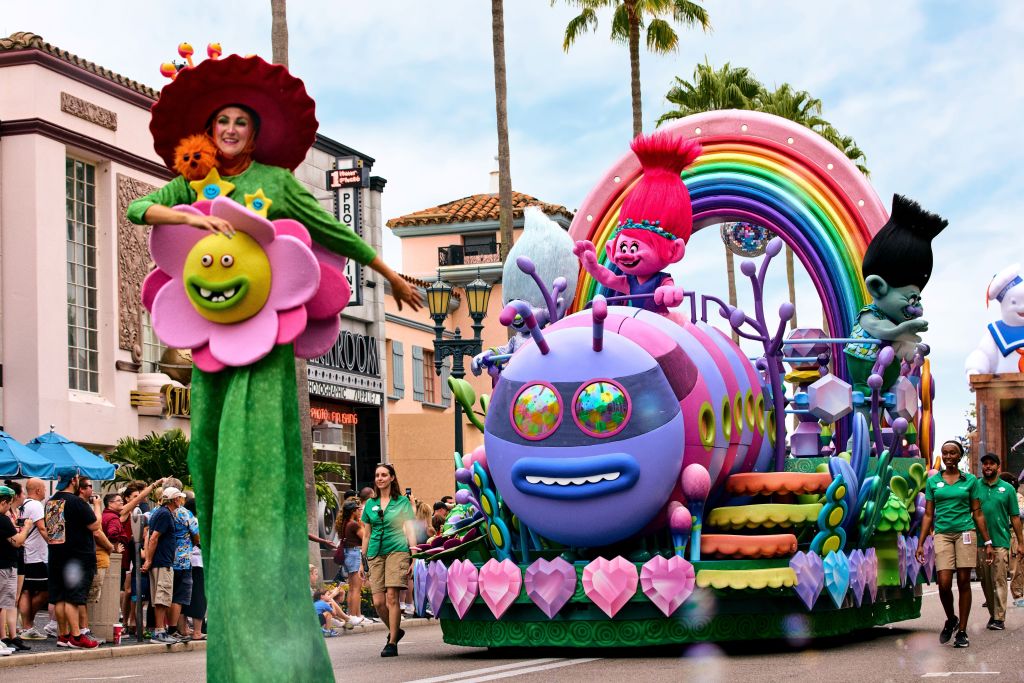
(999, 506)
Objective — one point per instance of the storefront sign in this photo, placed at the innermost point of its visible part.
(172, 400)
(353, 353)
(351, 394)
(324, 414)
(348, 211)
(348, 177)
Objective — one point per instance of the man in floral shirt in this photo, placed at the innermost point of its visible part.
(186, 534)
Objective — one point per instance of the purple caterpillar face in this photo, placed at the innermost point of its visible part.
(584, 446)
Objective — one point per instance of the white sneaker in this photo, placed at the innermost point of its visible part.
(51, 629)
(32, 634)
(357, 621)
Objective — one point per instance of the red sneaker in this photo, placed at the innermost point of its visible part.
(83, 642)
(63, 641)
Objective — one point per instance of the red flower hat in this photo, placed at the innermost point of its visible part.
(287, 113)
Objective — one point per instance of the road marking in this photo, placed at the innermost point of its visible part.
(528, 670)
(490, 669)
(107, 678)
(947, 674)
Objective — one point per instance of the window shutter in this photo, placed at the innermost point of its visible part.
(446, 392)
(417, 373)
(398, 368)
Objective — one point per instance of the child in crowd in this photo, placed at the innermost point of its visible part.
(329, 612)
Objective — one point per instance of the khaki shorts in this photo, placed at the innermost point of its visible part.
(161, 585)
(389, 571)
(97, 585)
(952, 553)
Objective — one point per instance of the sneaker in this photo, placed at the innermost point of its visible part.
(33, 634)
(16, 643)
(961, 639)
(85, 632)
(390, 650)
(997, 625)
(63, 641)
(991, 620)
(82, 642)
(52, 630)
(329, 632)
(947, 630)
(162, 637)
(1019, 602)
(357, 621)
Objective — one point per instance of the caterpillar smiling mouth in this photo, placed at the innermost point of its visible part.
(575, 478)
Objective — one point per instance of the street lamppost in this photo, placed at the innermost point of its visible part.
(439, 295)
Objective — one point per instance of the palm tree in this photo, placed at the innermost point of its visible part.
(279, 50)
(629, 17)
(152, 457)
(726, 88)
(323, 489)
(501, 108)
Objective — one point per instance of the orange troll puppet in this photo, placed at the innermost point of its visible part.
(195, 156)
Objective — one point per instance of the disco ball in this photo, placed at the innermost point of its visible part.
(745, 239)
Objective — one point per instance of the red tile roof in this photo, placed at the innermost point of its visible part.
(477, 207)
(24, 40)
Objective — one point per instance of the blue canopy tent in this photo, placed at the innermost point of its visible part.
(17, 460)
(65, 454)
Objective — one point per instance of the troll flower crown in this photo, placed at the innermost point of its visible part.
(654, 227)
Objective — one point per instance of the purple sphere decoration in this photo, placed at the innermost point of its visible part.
(774, 246)
(875, 381)
(463, 475)
(737, 317)
(885, 356)
(899, 426)
(748, 268)
(786, 311)
(462, 496)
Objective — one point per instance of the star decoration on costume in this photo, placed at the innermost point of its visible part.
(258, 202)
(212, 186)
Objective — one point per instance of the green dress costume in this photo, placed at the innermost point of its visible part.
(246, 463)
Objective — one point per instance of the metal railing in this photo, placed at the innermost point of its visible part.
(460, 255)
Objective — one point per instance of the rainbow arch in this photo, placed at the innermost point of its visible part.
(761, 168)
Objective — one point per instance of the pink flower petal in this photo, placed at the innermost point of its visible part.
(241, 218)
(290, 324)
(176, 322)
(151, 285)
(205, 361)
(245, 342)
(327, 256)
(332, 296)
(295, 273)
(318, 338)
(170, 245)
(286, 226)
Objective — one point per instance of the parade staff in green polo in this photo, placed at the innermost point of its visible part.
(953, 507)
(1000, 508)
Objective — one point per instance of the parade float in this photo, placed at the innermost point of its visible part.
(643, 481)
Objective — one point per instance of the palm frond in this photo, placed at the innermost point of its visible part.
(660, 37)
(690, 13)
(577, 26)
(620, 24)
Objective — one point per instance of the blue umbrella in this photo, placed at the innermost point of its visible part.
(17, 460)
(65, 454)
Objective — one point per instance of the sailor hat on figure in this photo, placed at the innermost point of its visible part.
(1001, 349)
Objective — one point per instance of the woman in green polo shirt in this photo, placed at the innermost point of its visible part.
(953, 507)
(387, 536)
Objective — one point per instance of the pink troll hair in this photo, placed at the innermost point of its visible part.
(661, 195)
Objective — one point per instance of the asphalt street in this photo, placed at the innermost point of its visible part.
(908, 651)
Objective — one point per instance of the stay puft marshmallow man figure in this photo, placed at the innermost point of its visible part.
(1001, 349)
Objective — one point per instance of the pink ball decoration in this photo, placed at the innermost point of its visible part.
(696, 483)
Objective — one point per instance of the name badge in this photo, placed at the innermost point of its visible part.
(1002, 490)
(967, 538)
(940, 484)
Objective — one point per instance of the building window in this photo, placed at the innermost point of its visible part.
(152, 349)
(396, 375)
(429, 378)
(83, 342)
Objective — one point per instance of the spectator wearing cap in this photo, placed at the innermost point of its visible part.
(999, 506)
(186, 535)
(11, 538)
(34, 593)
(70, 526)
(440, 515)
(135, 495)
(159, 561)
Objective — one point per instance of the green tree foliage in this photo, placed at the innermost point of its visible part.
(736, 88)
(629, 19)
(152, 457)
(323, 489)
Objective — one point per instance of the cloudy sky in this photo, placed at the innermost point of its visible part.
(930, 90)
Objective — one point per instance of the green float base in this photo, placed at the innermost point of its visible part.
(705, 617)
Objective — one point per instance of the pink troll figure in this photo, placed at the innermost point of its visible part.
(655, 223)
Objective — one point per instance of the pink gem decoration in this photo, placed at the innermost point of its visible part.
(810, 576)
(499, 585)
(307, 292)
(462, 585)
(550, 584)
(437, 585)
(667, 582)
(610, 583)
(857, 576)
(871, 569)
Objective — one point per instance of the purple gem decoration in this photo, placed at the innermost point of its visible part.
(550, 584)
(437, 585)
(857, 577)
(871, 572)
(419, 583)
(901, 555)
(913, 567)
(929, 559)
(810, 576)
